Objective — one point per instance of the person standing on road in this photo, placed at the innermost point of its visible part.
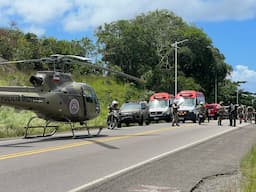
(208, 115)
(220, 111)
(234, 115)
(231, 108)
(250, 112)
(175, 117)
(201, 112)
(240, 113)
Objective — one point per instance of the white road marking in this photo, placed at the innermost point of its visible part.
(87, 185)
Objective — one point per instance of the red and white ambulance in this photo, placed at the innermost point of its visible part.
(187, 101)
(160, 107)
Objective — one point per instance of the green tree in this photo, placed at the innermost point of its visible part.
(15, 45)
(142, 47)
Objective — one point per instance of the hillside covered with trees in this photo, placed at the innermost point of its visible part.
(141, 47)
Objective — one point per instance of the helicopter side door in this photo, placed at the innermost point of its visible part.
(91, 103)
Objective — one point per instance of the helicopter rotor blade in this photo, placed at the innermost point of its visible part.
(44, 60)
(20, 61)
(73, 59)
(86, 61)
(80, 58)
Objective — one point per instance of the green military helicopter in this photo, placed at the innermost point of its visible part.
(54, 96)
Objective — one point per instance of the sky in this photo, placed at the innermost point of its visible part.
(231, 24)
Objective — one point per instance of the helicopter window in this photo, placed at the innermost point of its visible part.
(36, 81)
(88, 94)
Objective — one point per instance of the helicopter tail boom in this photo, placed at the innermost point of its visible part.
(24, 89)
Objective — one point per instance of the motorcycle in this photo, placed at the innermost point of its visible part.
(113, 119)
(201, 118)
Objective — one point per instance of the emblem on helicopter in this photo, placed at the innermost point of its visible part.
(74, 106)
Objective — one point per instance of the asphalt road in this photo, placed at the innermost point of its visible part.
(126, 159)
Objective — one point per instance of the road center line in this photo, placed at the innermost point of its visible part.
(78, 144)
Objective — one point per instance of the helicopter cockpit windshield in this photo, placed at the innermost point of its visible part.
(90, 98)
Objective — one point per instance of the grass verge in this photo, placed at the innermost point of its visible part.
(248, 169)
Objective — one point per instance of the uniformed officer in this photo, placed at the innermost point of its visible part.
(175, 117)
(221, 111)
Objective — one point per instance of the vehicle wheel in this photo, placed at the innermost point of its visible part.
(127, 124)
(112, 122)
(147, 122)
(141, 122)
(119, 125)
(195, 118)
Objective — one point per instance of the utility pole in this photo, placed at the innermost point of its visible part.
(175, 45)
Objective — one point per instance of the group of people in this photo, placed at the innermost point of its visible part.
(232, 111)
(235, 111)
(175, 117)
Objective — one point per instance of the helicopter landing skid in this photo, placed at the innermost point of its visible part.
(73, 128)
(44, 127)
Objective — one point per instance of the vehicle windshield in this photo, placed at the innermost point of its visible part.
(186, 101)
(158, 104)
(130, 106)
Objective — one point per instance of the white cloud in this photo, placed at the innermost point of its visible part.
(243, 73)
(94, 13)
(39, 11)
(81, 15)
(30, 13)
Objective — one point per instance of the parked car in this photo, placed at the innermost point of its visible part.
(133, 112)
(212, 110)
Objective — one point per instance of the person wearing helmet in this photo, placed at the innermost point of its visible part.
(113, 117)
(201, 107)
(201, 111)
(113, 106)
